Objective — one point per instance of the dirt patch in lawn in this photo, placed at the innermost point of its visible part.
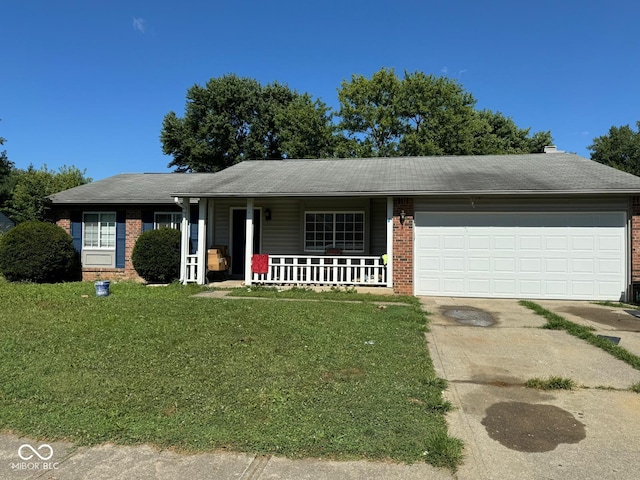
(618, 319)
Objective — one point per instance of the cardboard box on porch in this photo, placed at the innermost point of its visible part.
(219, 265)
(217, 262)
(220, 250)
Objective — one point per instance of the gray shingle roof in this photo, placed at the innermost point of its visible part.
(556, 173)
(126, 188)
(535, 174)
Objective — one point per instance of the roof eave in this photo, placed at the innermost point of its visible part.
(421, 193)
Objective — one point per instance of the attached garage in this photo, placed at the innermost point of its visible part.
(553, 255)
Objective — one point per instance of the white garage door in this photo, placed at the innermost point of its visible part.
(521, 255)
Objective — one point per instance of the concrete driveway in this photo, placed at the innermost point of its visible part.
(514, 432)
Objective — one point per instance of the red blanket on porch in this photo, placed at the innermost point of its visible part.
(260, 263)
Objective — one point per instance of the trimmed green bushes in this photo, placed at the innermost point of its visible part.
(38, 252)
(156, 255)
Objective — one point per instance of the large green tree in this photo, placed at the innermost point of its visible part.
(232, 119)
(620, 148)
(28, 200)
(423, 114)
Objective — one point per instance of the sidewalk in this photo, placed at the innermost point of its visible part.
(109, 462)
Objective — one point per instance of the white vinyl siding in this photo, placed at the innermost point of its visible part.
(99, 230)
(284, 233)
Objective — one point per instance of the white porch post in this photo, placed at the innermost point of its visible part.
(390, 242)
(248, 248)
(184, 244)
(202, 241)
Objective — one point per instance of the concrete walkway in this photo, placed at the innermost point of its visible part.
(509, 431)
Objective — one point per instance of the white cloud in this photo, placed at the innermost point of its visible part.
(139, 24)
(444, 70)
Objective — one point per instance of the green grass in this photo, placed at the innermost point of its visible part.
(607, 303)
(337, 294)
(158, 366)
(556, 322)
(635, 388)
(551, 383)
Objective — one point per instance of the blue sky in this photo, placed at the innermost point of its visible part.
(88, 82)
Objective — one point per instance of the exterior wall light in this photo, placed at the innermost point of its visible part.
(402, 217)
(267, 214)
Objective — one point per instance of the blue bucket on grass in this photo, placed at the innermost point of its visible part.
(102, 289)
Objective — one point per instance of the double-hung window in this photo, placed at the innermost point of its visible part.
(167, 220)
(99, 230)
(344, 230)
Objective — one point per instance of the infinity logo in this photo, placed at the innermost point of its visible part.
(29, 456)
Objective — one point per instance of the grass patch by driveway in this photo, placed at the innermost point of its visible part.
(158, 366)
(556, 322)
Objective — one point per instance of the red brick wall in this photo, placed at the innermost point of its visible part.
(63, 219)
(403, 246)
(635, 240)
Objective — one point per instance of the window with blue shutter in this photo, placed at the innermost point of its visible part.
(76, 230)
(147, 220)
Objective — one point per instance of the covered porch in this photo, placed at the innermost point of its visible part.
(289, 241)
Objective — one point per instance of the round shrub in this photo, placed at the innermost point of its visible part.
(38, 252)
(156, 255)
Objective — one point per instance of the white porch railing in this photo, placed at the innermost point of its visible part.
(323, 270)
(192, 269)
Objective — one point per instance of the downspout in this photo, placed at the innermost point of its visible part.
(184, 244)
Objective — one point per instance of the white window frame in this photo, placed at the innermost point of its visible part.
(335, 243)
(176, 219)
(100, 227)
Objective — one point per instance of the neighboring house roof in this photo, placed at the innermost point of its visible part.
(535, 174)
(5, 223)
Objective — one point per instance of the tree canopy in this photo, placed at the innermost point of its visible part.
(423, 114)
(232, 119)
(620, 148)
(28, 198)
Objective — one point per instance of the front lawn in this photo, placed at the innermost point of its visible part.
(158, 366)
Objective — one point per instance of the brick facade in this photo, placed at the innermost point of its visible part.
(133, 231)
(635, 240)
(403, 246)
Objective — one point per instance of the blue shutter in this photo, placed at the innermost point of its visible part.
(76, 230)
(194, 228)
(148, 221)
(121, 238)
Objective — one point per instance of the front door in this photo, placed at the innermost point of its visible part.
(238, 229)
